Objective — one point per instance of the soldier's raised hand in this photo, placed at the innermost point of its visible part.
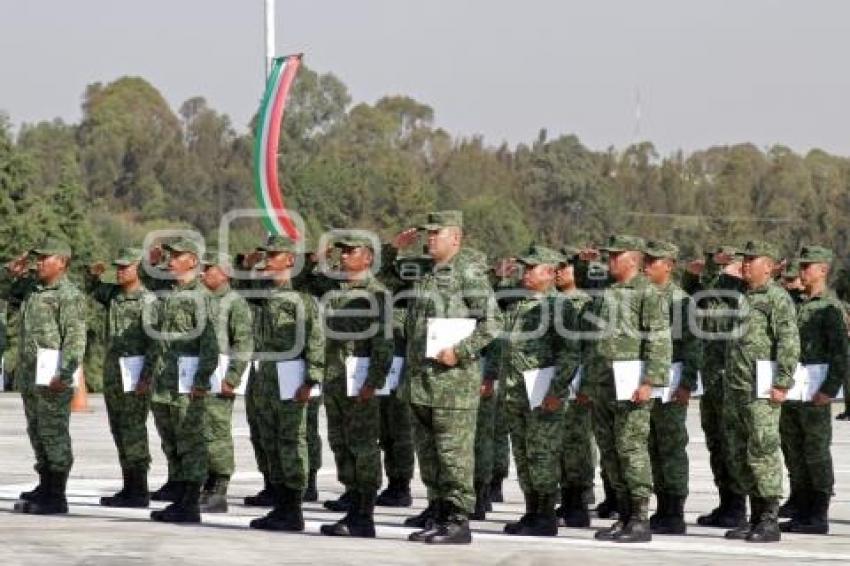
(405, 238)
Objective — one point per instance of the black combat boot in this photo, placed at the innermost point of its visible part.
(170, 491)
(135, 494)
(187, 510)
(767, 527)
(454, 530)
(286, 514)
(311, 494)
(52, 501)
(118, 497)
(425, 518)
(531, 503)
(672, 522)
(360, 520)
(544, 522)
(482, 495)
(340, 505)
(661, 504)
(428, 521)
(264, 498)
(39, 489)
(216, 500)
(575, 514)
(792, 505)
(623, 514)
(397, 494)
(816, 521)
(608, 508)
(496, 495)
(637, 528)
(742, 531)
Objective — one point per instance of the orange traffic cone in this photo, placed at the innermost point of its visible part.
(80, 401)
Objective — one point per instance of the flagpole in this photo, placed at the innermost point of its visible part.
(270, 39)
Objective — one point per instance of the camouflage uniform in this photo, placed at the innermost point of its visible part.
(632, 322)
(806, 429)
(445, 399)
(126, 336)
(51, 316)
(668, 431)
(765, 329)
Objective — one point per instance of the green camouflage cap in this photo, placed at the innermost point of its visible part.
(659, 249)
(128, 256)
(760, 248)
(540, 255)
(570, 254)
(624, 243)
(791, 270)
(214, 257)
(52, 246)
(355, 241)
(437, 220)
(182, 245)
(815, 254)
(277, 244)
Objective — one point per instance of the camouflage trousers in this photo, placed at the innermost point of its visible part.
(396, 440)
(183, 430)
(501, 446)
(128, 416)
(752, 438)
(668, 448)
(445, 448)
(578, 453)
(48, 419)
(314, 439)
(253, 393)
(806, 432)
(282, 426)
(537, 438)
(485, 431)
(622, 434)
(711, 419)
(220, 459)
(353, 432)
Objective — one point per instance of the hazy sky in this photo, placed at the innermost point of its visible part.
(708, 72)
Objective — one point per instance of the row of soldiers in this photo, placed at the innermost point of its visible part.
(631, 312)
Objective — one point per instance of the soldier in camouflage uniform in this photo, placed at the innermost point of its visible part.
(806, 427)
(765, 330)
(629, 321)
(232, 331)
(52, 316)
(356, 320)
(485, 445)
(668, 430)
(792, 282)
(130, 307)
(531, 342)
(579, 457)
(183, 331)
(445, 390)
(290, 329)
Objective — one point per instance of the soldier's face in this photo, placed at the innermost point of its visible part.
(214, 277)
(277, 262)
(49, 267)
(565, 276)
(127, 274)
(538, 277)
(355, 259)
(442, 242)
(812, 274)
(620, 264)
(182, 262)
(657, 270)
(757, 270)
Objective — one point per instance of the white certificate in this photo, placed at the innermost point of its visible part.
(393, 377)
(765, 373)
(627, 378)
(47, 364)
(131, 371)
(221, 373)
(447, 332)
(356, 372)
(575, 384)
(808, 379)
(290, 377)
(537, 382)
(187, 367)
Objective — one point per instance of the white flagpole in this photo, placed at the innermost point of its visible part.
(270, 39)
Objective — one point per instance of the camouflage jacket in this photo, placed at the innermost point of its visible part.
(290, 328)
(183, 328)
(765, 328)
(51, 316)
(687, 348)
(626, 321)
(458, 289)
(232, 333)
(357, 323)
(823, 338)
(718, 300)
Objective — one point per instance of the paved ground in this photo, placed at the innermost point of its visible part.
(92, 535)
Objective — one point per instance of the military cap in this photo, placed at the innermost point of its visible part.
(624, 243)
(442, 219)
(539, 255)
(276, 244)
(182, 245)
(128, 256)
(659, 249)
(214, 257)
(815, 254)
(791, 269)
(569, 254)
(52, 246)
(759, 248)
(355, 241)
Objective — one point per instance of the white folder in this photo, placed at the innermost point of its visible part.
(447, 332)
(187, 367)
(131, 371)
(356, 372)
(393, 377)
(221, 373)
(537, 382)
(290, 377)
(47, 363)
